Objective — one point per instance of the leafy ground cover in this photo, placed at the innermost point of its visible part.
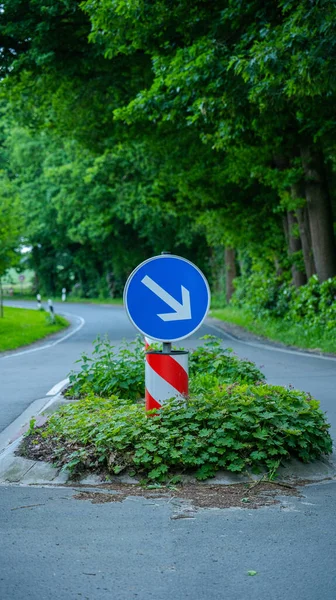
(21, 326)
(234, 427)
(298, 334)
(232, 420)
(121, 372)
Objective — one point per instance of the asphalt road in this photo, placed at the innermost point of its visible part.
(57, 547)
(29, 374)
(54, 547)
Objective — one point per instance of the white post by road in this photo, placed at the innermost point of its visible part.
(38, 298)
(63, 294)
(51, 310)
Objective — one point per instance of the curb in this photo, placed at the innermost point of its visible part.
(20, 425)
(16, 470)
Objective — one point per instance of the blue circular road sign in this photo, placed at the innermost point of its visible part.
(167, 298)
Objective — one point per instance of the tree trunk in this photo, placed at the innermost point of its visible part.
(110, 283)
(230, 272)
(320, 214)
(278, 267)
(298, 191)
(285, 226)
(294, 245)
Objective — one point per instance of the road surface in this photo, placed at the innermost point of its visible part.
(29, 374)
(56, 547)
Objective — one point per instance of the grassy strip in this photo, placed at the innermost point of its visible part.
(69, 300)
(292, 334)
(20, 327)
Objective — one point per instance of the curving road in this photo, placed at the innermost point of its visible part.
(28, 374)
(55, 546)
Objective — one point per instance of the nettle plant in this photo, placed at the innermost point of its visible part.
(234, 427)
(221, 364)
(120, 371)
(110, 371)
(231, 420)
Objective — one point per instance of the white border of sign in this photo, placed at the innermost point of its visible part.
(183, 337)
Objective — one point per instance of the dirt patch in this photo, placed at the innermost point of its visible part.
(37, 447)
(245, 495)
(198, 495)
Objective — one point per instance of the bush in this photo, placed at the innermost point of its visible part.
(315, 304)
(312, 305)
(262, 295)
(235, 427)
(221, 363)
(111, 371)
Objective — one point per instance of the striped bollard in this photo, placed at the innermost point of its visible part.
(166, 377)
(148, 342)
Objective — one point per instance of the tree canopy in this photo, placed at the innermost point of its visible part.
(136, 127)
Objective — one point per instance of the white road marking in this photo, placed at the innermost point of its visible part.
(57, 387)
(271, 348)
(65, 337)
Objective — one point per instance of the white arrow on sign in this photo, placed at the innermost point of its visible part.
(182, 311)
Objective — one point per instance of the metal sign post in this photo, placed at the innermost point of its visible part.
(167, 299)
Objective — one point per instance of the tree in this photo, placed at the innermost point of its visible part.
(239, 73)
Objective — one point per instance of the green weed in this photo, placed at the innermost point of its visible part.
(234, 427)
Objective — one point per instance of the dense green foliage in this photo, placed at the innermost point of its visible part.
(314, 304)
(237, 427)
(311, 305)
(231, 419)
(120, 371)
(129, 128)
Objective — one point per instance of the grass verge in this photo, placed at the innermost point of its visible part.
(292, 334)
(20, 327)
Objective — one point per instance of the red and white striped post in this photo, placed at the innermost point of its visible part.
(166, 376)
(148, 342)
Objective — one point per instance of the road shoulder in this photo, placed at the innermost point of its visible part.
(240, 334)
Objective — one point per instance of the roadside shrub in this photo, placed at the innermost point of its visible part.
(312, 305)
(214, 360)
(262, 295)
(110, 371)
(315, 304)
(121, 371)
(235, 427)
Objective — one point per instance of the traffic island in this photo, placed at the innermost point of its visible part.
(232, 429)
(237, 428)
